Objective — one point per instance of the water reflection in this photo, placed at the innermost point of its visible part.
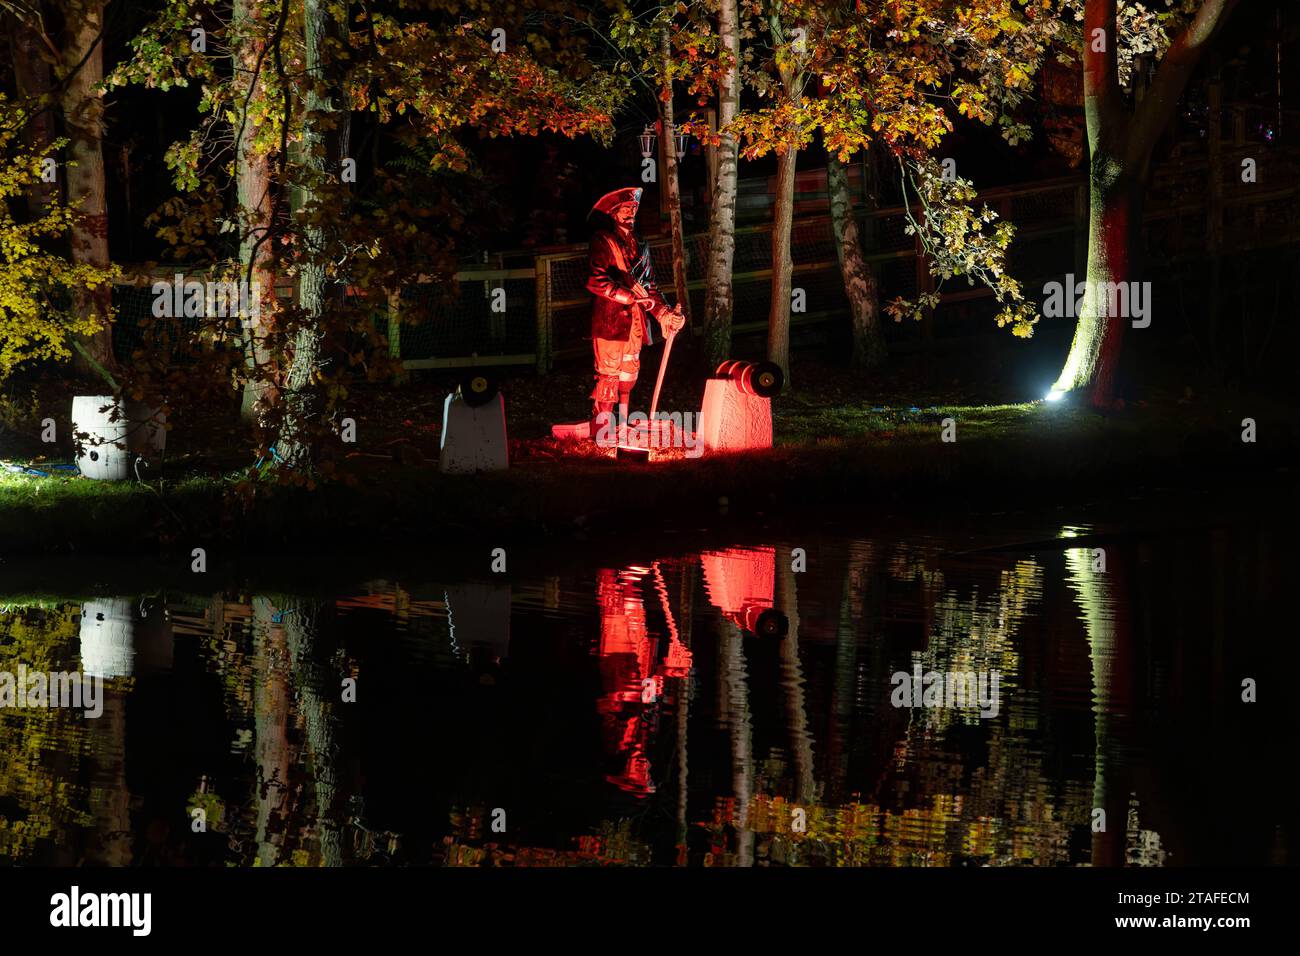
(721, 708)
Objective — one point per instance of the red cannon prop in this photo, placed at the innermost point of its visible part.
(737, 412)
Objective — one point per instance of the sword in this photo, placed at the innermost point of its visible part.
(659, 382)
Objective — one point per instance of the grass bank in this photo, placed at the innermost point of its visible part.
(832, 457)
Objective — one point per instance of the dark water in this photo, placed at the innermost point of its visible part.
(705, 707)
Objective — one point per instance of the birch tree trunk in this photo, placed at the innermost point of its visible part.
(719, 301)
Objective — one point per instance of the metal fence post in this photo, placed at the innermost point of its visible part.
(542, 283)
(395, 330)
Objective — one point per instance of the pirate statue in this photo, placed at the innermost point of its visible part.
(621, 277)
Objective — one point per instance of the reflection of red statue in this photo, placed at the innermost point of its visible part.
(631, 673)
(741, 583)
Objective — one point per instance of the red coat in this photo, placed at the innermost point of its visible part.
(615, 309)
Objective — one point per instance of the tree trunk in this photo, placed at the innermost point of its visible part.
(83, 115)
(860, 284)
(1120, 144)
(33, 83)
(1114, 218)
(778, 316)
(253, 188)
(672, 186)
(719, 302)
(302, 405)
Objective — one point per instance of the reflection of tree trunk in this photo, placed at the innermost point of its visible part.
(83, 115)
(843, 690)
(683, 764)
(313, 679)
(684, 606)
(1100, 594)
(271, 693)
(110, 796)
(735, 711)
(792, 682)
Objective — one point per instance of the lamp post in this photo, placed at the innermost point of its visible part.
(647, 142)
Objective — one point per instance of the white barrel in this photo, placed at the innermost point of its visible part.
(103, 453)
(108, 451)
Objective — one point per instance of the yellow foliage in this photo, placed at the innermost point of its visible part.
(37, 287)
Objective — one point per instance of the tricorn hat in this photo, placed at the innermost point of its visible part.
(612, 200)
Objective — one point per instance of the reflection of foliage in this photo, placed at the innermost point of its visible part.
(42, 747)
(613, 844)
(1009, 809)
(228, 657)
(911, 564)
(1008, 827)
(1142, 847)
(978, 636)
(213, 807)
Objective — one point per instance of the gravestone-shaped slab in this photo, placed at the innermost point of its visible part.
(732, 419)
(473, 437)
